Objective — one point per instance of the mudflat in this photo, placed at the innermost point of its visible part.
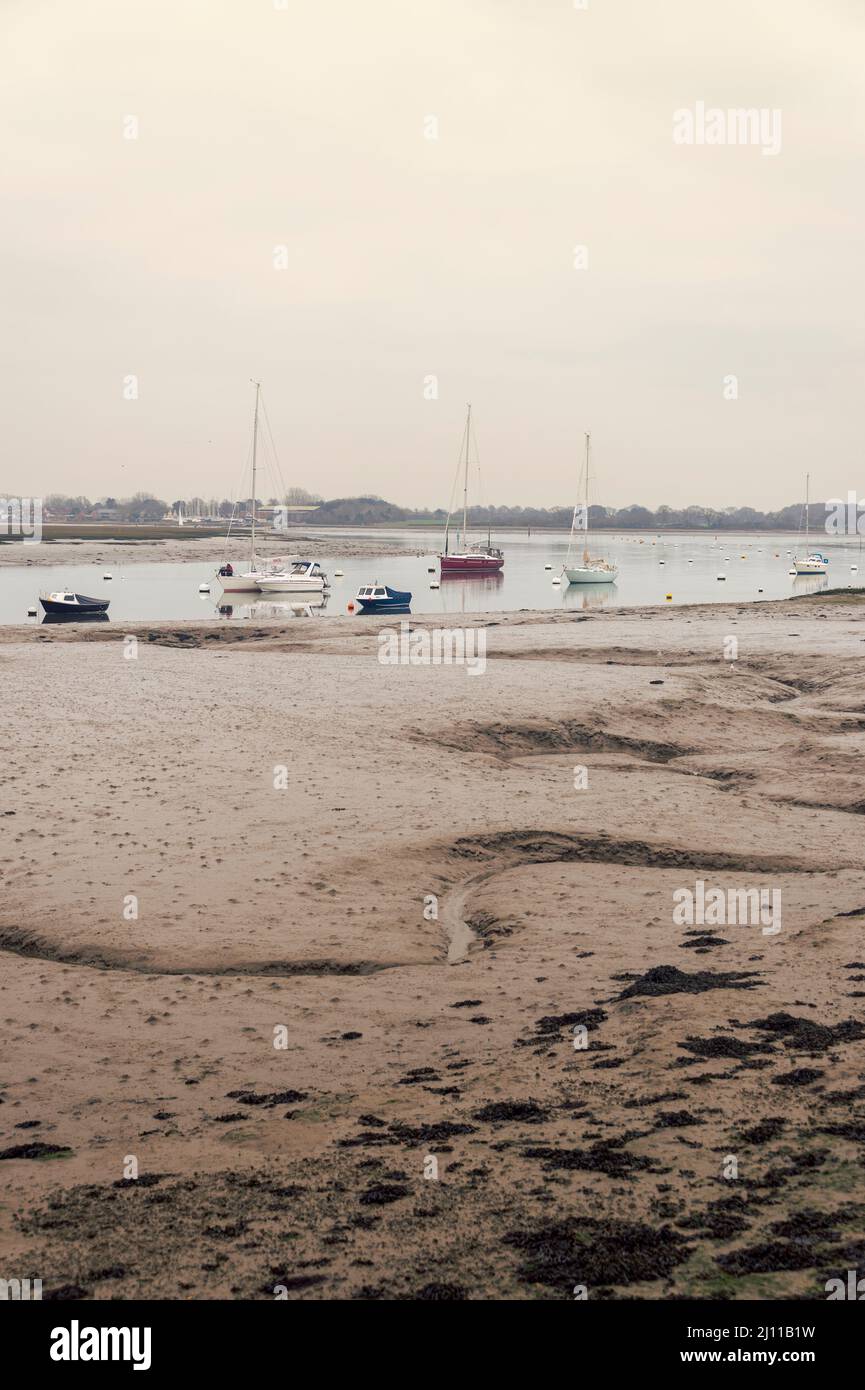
(358, 980)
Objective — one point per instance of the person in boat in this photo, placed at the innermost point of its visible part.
(226, 572)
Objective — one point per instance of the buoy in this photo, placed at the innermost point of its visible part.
(204, 588)
(662, 562)
(31, 612)
(557, 580)
(791, 572)
(430, 569)
(337, 574)
(434, 584)
(722, 576)
(759, 591)
(854, 567)
(548, 567)
(668, 597)
(350, 607)
(107, 576)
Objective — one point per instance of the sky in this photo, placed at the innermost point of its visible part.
(376, 209)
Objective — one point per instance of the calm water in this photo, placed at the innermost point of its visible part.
(650, 568)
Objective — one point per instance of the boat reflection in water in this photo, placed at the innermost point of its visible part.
(810, 583)
(468, 593)
(588, 595)
(74, 618)
(296, 607)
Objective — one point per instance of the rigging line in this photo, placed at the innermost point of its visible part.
(236, 500)
(278, 475)
(456, 476)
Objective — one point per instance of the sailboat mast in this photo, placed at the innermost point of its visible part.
(254, 451)
(466, 474)
(807, 510)
(586, 541)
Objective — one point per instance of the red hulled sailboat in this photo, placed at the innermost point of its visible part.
(467, 558)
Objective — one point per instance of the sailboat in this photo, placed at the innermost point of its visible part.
(247, 581)
(590, 571)
(469, 559)
(814, 562)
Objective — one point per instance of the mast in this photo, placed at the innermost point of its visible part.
(257, 385)
(586, 541)
(807, 511)
(466, 475)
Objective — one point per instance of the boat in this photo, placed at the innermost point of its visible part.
(381, 598)
(814, 562)
(590, 571)
(246, 581)
(304, 577)
(66, 604)
(467, 558)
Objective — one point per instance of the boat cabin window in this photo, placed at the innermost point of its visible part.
(381, 593)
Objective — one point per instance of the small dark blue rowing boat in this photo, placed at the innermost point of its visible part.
(68, 605)
(380, 598)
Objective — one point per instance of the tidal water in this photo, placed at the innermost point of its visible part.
(676, 569)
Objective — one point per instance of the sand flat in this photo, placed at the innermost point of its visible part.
(429, 1129)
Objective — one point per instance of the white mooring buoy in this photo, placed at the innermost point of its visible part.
(434, 584)
(204, 588)
(337, 574)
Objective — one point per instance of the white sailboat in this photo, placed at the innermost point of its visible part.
(248, 581)
(814, 562)
(590, 571)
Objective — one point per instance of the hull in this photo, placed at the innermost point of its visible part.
(240, 584)
(291, 586)
(380, 605)
(471, 564)
(590, 576)
(247, 583)
(810, 567)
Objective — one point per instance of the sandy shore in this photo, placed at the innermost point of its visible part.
(340, 1041)
(200, 548)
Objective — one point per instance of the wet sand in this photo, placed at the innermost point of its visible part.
(190, 547)
(331, 1083)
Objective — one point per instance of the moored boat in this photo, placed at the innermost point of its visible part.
(246, 580)
(380, 598)
(68, 604)
(589, 571)
(814, 562)
(304, 577)
(468, 558)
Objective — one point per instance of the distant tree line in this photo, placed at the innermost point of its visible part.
(370, 510)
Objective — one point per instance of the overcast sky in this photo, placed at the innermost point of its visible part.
(305, 126)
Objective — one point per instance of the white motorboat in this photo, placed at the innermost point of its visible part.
(589, 571)
(814, 561)
(304, 577)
